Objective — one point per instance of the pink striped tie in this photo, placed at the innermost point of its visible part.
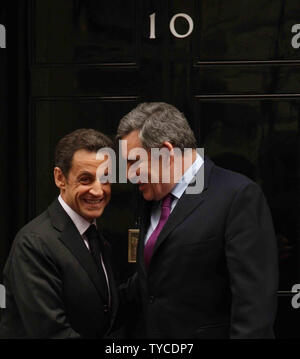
(165, 212)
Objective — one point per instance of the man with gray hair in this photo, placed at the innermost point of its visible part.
(206, 259)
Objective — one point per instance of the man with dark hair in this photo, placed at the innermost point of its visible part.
(58, 279)
(206, 261)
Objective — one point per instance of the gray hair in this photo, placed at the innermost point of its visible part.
(158, 122)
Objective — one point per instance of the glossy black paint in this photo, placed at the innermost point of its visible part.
(236, 77)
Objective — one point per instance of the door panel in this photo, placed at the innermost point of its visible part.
(84, 81)
(245, 30)
(246, 80)
(75, 31)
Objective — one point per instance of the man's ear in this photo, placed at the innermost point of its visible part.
(59, 178)
(170, 147)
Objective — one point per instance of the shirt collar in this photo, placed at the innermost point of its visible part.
(187, 177)
(80, 223)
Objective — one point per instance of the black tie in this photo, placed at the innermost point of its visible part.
(96, 247)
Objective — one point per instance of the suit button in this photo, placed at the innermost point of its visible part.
(151, 299)
(105, 308)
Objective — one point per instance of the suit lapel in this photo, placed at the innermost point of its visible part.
(185, 206)
(111, 280)
(74, 242)
(72, 239)
(144, 224)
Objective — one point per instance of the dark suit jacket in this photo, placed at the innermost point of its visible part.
(53, 289)
(214, 269)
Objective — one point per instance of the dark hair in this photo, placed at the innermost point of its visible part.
(81, 139)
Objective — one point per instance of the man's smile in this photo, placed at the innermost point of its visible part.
(93, 201)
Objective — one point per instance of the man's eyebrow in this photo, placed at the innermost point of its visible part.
(84, 173)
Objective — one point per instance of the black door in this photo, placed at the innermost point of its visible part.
(233, 68)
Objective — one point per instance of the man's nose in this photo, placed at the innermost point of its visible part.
(97, 188)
